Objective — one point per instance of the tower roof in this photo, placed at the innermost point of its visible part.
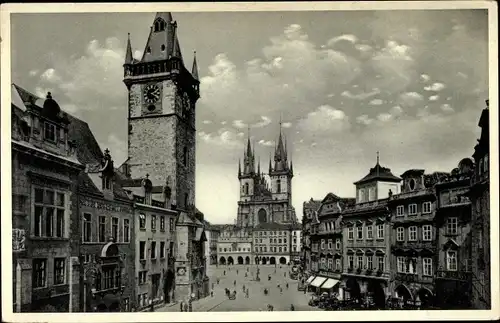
(128, 56)
(379, 173)
(161, 40)
(194, 70)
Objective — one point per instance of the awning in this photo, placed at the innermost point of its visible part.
(310, 279)
(329, 283)
(318, 281)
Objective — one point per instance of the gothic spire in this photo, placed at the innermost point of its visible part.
(176, 51)
(258, 168)
(194, 70)
(239, 167)
(270, 166)
(128, 56)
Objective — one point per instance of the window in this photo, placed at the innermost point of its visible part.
(126, 230)
(284, 249)
(162, 249)
(186, 198)
(87, 227)
(411, 266)
(426, 207)
(142, 277)
(412, 209)
(279, 249)
(39, 273)
(400, 234)
(427, 264)
(369, 232)
(401, 265)
(279, 241)
(451, 260)
(185, 156)
(412, 233)
(371, 193)
(49, 132)
(360, 262)
(381, 263)
(369, 260)
(102, 228)
(360, 233)
(330, 244)
(142, 221)
(162, 223)
(172, 224)
(337, 264)
(114, 229)
(452, 226)
(278, 186)
(153, 249)
(330, 263)
(427, 232)
(322, 244)
(153, 222)
(400, 210)
(337, 244)
(49, 213)
(256, 249)
(59, 271)
(380, 231)
(142, 250)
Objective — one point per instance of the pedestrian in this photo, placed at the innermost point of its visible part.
(237, 271)
(182, 306)
(234, 283)
(292, 308)
(190, 306)
(212, 293)
(243, 288)
(217, 281)
(286, 285)
(224, 273)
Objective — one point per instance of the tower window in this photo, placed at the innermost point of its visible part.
(246, 188)
(278, 186)
(148, 50)
(159, 25)
(162, 47)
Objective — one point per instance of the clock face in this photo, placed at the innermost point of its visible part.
(151, 93)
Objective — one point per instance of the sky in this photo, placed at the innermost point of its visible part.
(409, 84)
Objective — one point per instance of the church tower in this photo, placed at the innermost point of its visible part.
(247, 174)
(282, 173)
(162, 97)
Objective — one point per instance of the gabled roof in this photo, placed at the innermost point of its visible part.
(379, 173)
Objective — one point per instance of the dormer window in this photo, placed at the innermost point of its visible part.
(49, 132)
(159, 25)
(412, 184)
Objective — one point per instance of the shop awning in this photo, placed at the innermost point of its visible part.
(310, 279)
(318, 281)
(329, 283)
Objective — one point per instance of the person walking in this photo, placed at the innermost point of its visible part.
(212, 293)
(182, 306)
(224, 273)
(234, 283)
(292, 308)
(237, 271)
(190, 305)
(286, 285)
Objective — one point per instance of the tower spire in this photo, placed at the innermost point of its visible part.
(128, 55)
(239, 167)
(258, 168)
(270, 166)
(194, 70)
(176, 52)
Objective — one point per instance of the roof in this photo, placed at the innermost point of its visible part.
(311, 205)
(272, 226)
(415, 172)
(379, 173)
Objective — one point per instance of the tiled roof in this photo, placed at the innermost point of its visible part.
(272, 226)
(379, 173)
(312, 205)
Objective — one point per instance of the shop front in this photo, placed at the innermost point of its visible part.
(331, 285)
(316, 283)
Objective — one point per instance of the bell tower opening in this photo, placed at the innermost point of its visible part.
(262, 215)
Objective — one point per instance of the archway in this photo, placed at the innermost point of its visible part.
(425, 296)
(222, 261)
(272, 261)
(376, 291)
(262, 215)
(264, 261)
(352, 286)
(230, 260)
(282, 260)
(240, 260)
(169, 285)
(257, 260)
(247, 260)
(403, 292)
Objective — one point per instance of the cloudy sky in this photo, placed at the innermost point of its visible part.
(410, 84)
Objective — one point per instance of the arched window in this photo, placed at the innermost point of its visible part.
(246, 188)
(185, 156)
(278, 186)
(159, 25)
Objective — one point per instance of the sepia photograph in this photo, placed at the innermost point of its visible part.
(237, 158)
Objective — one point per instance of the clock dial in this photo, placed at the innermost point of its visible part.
(151, 93)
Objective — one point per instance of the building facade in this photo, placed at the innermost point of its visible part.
(414, 256)
(162, 97)
(213, 237)
(453, 221)
(234, 246)
(45, 218)
(366, 240)
(480, 221)
(309, 217)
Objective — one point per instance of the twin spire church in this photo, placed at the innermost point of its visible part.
(265, 198)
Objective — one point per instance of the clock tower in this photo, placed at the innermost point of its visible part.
(162, 96)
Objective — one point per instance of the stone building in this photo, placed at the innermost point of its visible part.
(414, 257)
(162, 96)
(295, 243)
(45, 219)
(480, 223)
(271, 243)
(213, 236)
(107, 237)
(309, 217)
(234, 245)
(453, 222)
(365, 238)
(327, 239)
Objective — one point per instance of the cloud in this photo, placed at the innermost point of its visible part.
(446, 107)
(207, 122)
(239, 124)
(364, 119)
(325, 119)
(376, 102)
(286, 124)
(264, 122)
(436, 87)
(222, 137)
(396, 110)
(50, 76)
(384, 117)
(137, 54)
(410, 98)
(348, 37)
(434, 98)
(363, 47)
(360, 96)
(425, 77)
(33, 73)
(268, 143)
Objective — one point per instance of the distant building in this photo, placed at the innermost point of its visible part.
(45, 220)
(234, 246)
(480, 222)
(309, 210)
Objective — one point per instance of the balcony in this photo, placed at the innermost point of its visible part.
(454, 275)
